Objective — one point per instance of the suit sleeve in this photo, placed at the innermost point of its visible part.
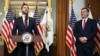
(14, 28)
(93, 32)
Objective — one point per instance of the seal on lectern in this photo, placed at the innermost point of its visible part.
(27, 38)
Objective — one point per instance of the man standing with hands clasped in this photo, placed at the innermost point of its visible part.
(85, 31)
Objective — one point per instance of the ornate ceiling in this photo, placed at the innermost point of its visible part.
(16, 5)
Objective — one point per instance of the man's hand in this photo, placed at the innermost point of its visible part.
(83, 40)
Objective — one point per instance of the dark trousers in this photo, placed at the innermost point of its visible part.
(6, 53)
(44, 52)
(96, 54)
(22, 49)
(84, 51)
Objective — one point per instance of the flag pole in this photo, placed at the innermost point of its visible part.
(36, 2)
(71, 8)
(88, 4)
(72, 4)
(49, 4)
(7, 2)
(70, 19)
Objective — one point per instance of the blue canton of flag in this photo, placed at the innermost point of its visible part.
(36, 16)
(72, 19)
(9, 15)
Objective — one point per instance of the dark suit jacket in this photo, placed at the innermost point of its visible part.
(89, 32)
(21, 28)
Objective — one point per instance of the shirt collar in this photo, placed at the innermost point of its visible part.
(85, 19)
(23, 16)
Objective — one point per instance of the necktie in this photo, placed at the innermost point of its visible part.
(25, 22)
(84, 24)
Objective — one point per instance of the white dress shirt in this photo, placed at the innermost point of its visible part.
(23, 16)
(83, 25)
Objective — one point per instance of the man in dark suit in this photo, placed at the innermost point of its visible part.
(85, 31)
(25, 24)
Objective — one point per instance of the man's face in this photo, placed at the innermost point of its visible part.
(25, 9)
(84, 13)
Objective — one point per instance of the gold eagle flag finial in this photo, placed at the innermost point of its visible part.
(72, 1)
(7, 3)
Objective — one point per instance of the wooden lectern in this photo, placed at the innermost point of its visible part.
(18, 38)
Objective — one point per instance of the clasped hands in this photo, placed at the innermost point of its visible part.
(83, 40)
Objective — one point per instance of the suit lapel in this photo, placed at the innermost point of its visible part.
(21, 21)
(87, 24)
(80, 24)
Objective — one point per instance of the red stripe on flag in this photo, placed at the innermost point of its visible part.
(70, 41)
(97, 39)
(97, 46)
(6, 33)
(40, 29)
(39, 45)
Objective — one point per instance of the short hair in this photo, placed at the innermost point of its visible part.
(86, 9)
(23, 5)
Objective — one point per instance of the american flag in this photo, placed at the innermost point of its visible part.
(70, 39)
(38, 45)
(72, 19)
(6, 30)
(97, 38)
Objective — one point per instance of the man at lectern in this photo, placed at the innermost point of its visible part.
(25, 24)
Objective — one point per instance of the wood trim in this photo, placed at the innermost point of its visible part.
(62, 16)
(95, 8)
(1, 50)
